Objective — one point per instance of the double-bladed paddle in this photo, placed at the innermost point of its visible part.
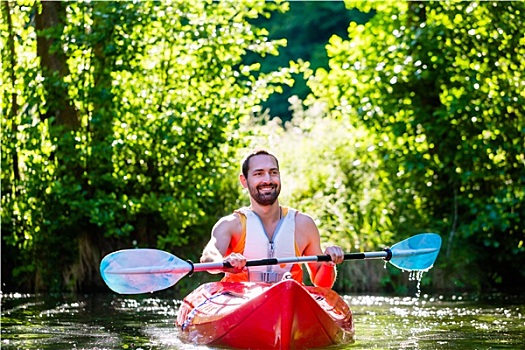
(135, 271)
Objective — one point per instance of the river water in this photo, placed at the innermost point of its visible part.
(110, 321)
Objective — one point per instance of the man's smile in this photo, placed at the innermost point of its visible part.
(266, 188)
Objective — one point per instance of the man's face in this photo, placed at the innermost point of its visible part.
(264, 180)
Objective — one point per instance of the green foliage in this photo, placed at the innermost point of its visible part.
(439, 86)
(154, 93)
(306, 27)
(122, 124)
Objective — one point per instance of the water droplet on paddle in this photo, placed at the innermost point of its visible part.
(416, 276)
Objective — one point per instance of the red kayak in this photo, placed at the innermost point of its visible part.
(285, 315)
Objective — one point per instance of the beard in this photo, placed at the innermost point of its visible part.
(267, 196)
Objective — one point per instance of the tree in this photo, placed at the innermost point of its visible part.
(129, 118)
(439, 85)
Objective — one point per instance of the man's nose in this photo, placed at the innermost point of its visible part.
(266, 177)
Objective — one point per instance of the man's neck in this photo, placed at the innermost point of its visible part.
(267, 212)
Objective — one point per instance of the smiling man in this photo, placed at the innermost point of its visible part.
(266, 229)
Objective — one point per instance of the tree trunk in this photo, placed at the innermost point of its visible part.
(54, 250)
(53, 61)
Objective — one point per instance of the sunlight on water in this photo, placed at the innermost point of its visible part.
(421, 323)
(137, 322)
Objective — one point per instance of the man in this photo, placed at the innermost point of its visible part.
(266, 230)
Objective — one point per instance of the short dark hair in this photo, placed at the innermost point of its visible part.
(245, 165)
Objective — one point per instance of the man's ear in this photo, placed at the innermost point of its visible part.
(243, 181)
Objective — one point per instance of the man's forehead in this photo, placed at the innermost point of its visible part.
(263, 161)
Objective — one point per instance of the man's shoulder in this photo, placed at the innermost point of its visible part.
(305, 223)
(230, 218)
(304, 217)
(230, 222)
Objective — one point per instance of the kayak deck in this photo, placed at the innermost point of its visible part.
(285, 315)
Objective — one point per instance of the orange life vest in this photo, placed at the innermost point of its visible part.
(257, 237)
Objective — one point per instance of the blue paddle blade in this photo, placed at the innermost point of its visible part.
(417, 253)
(135, 271)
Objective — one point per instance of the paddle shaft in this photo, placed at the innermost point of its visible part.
(256, 262)
(386, 254)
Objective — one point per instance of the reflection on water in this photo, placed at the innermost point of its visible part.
(438, 323)
(88, 322)
(109, 321)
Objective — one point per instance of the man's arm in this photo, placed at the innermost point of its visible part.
(325, 273)
(321, 274)
(222, 238)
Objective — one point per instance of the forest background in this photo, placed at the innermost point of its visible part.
(123, 125)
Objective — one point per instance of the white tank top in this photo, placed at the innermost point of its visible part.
(259, 246)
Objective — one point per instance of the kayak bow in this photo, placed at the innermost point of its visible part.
(285, 315)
